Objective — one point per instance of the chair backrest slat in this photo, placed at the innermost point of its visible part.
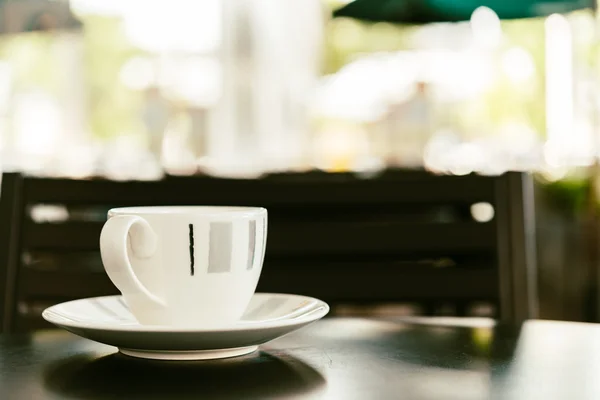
(36, 284)
(304, 238)
(420, 188)
(420, 283)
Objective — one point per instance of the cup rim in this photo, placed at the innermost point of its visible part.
(207, 211)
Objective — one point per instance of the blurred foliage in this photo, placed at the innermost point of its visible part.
(507, 100)
(569, 195)
(31, 61)
(348, 39)
(114, 107)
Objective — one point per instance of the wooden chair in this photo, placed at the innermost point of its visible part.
(400, 236)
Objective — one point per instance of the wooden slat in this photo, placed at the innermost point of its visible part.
(507, 306)
(32, 322)
(348, 238)
(65, 261)
(203, 190)
(64, 285)
(11, 211)
(305, 237)
(381, 283)
(72, 236)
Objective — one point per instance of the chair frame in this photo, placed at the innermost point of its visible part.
(511, 194)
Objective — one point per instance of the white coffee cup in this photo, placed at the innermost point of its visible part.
(185, 266)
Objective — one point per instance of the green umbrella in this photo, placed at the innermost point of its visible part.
(425, 11)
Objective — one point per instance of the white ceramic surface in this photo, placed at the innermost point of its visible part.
(195, 266)
(108, 320)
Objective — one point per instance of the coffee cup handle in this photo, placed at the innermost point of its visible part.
(113, 250)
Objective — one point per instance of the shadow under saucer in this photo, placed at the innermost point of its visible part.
(117, 376)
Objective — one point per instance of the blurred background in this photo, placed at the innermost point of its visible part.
(132, 90)
(135, 90)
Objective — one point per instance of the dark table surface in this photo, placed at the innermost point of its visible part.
(333, 359)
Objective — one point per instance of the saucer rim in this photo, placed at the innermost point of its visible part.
(320, 310)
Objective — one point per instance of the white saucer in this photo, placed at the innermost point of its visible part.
(108, 320)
